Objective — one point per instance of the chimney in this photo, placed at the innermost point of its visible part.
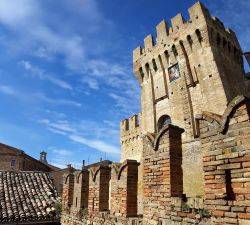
(83, 164)
(43, 157)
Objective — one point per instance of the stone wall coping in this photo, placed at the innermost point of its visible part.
(222, 120)
(119, 167)
(154, 138)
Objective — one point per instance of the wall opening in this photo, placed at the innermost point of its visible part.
(174, 50)
(190, 41)
(154, 65)
(198, 34)
(141, 73)
(13, 163)
(166, 57)
(147, 68)
(229, 189)
(164, 120)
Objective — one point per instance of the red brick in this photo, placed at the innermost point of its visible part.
(244, 216)
(218, 213)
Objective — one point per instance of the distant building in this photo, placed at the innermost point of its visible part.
(14, 159)
(17, 160)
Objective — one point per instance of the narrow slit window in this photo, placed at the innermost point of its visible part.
(198, 34)
(174, 50)
(190, 41)
(229, 189)
(154, 65)
(141, 73)
(147, 68)
(166, 56)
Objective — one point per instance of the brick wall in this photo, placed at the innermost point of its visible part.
(124, 189)
(226, 146)
(99, 189)
(81, 190)
(162, 161)
(68, 190)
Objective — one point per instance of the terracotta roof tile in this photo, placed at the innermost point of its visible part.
(27, 196)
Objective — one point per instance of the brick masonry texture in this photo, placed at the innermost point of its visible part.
(186, 157)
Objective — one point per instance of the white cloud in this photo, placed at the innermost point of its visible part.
(96, 144)
(62, 157)
(41, 74)
(56, 101)
(61, 152)
(8, 90)
(62, 126)
(76, 46)
(15, 12)
(92, 83)
(87, 133)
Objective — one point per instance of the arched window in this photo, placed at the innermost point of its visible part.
(141, 73)
(147, 68)
(154, 65)
(190, 41)
(164, 120)
(174, 50)
(166, 56)
(198, 34)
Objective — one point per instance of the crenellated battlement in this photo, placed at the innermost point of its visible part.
(130, 125)
(130, 138)
(199, 26)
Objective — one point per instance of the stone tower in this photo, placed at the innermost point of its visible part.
(187, 70)
(192, 66)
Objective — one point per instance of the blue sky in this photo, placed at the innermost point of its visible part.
(66, 75)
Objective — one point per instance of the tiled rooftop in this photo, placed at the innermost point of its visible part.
(27, 196)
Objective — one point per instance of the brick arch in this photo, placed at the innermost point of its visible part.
(161, 121)
(154, 141)
(232, 106)
(116, 167)
(221, 121)
(122, 167)
(94, 172)
(67, 177)
(78, 176)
